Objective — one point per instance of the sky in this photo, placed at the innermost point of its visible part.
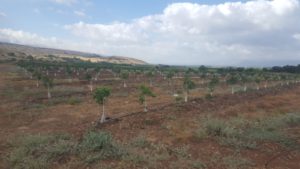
(181, 32)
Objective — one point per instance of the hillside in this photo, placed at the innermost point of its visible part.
(7, 50)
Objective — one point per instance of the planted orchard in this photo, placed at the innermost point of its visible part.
(158, 115)
(169, 81)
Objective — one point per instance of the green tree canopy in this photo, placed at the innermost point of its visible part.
(124, 74)
(101, 94)
(232, 80)
(47, 81)
(145, 91)
(37, 75)
(170, 74)
(88, 76)
(188, 84)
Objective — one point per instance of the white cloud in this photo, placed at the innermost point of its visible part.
(297, 36)
(2, 14)
(64, 2)
(36, 11)
(19, 36)
(191, 33)
(80, 13)
(233, 33)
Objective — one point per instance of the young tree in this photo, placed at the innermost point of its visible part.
(69, 73)
(38, 77)
(97, 70)
(202, 69)
(244, 80)
(176, 73)
(266, 79)
(170, 76)
(100, 95)
(203, 77)
(257, 80)
(137, 75)
(144, 92)
(232, 80)
(30, 71)
(116, 71)
(89, 78)
(188, 84)
(190, 71)
(124, 75)
(48, 83)
(150, 75)
(212, 84)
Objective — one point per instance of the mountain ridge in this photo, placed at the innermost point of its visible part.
(35, 51)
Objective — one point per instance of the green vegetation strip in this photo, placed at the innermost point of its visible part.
(242, 133)
(39, 151)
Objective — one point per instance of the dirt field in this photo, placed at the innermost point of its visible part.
(168, 130)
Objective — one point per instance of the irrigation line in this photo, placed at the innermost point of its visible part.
(196, 99)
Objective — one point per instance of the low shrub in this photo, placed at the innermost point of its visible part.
(150, 122)
(141, 142)
(235, 162)
(292, 119)
(98, 145)
(179, 99)
(136, 158)
(208, 96)
(221, 128)
(74, 101)
(198, 165)
(240, 133)
(181, 152)
(38, 151)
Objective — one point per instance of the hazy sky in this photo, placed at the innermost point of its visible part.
(203, 32)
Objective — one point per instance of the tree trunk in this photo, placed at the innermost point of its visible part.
(145, 106)
(172, 87)
(232, 90)
(257, 87)
(49, 94)
(245, 88)
(124, 84)
(37, 84)
(186, 97)
(103, 114)
(91, 86)
(96, 77)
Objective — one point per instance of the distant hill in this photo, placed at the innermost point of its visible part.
(8, 49)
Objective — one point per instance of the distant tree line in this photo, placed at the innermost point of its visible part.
(286, 69)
